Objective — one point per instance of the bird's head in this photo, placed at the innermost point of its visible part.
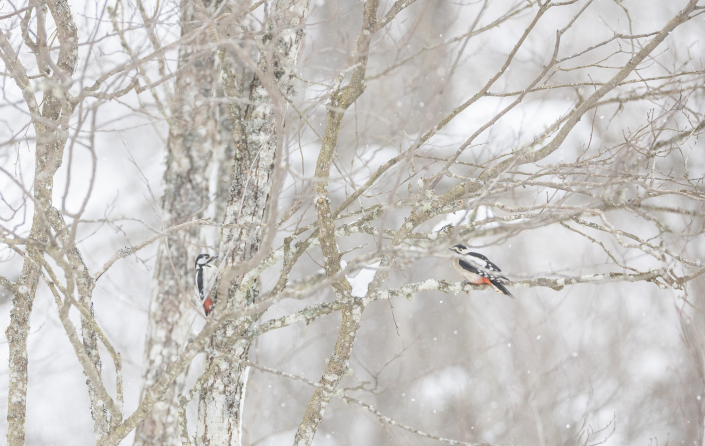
(204, 260)
(460, 249)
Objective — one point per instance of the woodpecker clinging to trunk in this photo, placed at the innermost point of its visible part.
(478, 269)
(205, 279)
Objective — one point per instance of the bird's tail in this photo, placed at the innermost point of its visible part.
(502, 288)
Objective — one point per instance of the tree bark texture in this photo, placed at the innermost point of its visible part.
(49, 124)
(256, 139)
(341, 99)
(193, 139)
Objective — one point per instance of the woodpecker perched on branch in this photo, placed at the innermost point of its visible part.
(205, 279)
(478, 269)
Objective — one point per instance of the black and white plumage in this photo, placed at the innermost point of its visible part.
(205, 279)
(478, 269)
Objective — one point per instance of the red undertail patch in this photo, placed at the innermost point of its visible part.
(208, 305)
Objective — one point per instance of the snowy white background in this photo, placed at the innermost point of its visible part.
(477, 368)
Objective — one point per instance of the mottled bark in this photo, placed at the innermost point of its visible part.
(16, 334)
(192, 140)
(224, 162)
(256, 142)
(50, 125)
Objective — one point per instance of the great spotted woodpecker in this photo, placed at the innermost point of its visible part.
(205, 279)
(478, 269)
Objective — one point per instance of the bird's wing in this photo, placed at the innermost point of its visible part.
(484, 262)
(199, 283)
(479, 264)
(469, 266)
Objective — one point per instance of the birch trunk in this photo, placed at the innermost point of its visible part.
(256, 138)
(173, 308)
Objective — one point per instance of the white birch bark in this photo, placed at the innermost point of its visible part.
(172, 309)
(255, 129)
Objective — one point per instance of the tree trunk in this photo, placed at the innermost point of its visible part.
(173, 308)
(49, 126)
(256, 138)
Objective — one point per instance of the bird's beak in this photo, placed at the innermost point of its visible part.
(210, 260)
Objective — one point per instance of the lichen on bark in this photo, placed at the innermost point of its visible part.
(257, 140)
(193, 138)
